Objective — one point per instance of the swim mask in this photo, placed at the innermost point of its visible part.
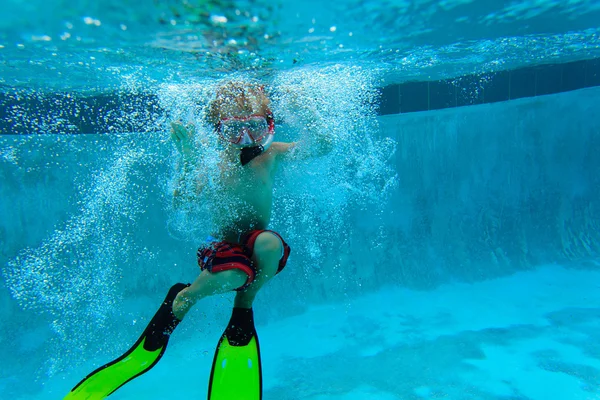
(248, 131)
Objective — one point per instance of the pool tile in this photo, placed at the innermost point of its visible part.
(498, 88)
(592, 73)
(414, 96)
(442, 94)
(522, 83)
(548, 79)
(573, 76)
(469, 90)
(390, 100)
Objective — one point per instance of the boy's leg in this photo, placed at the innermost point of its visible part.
(268, 250)
(266, 255)
(149, 348)
(237, 364)
(207, 284)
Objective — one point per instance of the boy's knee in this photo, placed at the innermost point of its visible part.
(267, 244)
(182, 303)
(187, 296)
(232, 279)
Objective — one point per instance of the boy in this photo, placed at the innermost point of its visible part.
(245, 256)
(241, 116)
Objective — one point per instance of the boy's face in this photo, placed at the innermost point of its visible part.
(241, 116)
(246, 131)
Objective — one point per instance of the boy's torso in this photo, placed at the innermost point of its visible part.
(248, 191)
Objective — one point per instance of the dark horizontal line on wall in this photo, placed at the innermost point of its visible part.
(489, 88)
(122, 112)
(64, 113)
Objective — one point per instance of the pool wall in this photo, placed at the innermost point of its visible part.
(483, 191)
(488, 189)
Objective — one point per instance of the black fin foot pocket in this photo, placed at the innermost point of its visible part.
(164, 322)
(241, 326)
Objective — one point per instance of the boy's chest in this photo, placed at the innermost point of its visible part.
(256, 174)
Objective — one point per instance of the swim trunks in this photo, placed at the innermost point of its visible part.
(223, 256)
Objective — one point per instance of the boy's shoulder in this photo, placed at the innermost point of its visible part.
(278, 151)
(281, 147)
(286, 151)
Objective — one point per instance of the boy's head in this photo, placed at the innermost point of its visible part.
(240, 114)
(238, 99)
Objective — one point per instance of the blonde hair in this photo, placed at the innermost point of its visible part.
(235, 97)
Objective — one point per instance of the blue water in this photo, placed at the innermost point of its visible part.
(447, 254)
(86, 45)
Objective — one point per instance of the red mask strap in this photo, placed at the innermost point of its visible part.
(270, 121)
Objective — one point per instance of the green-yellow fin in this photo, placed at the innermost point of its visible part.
(237, 372)
(105, 380)
(142, 356)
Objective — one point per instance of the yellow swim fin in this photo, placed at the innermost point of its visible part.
(236, 371)
(142, 356)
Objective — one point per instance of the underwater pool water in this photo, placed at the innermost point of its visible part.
(440, 254)
(85, 45)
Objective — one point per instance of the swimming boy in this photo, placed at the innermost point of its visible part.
(244, 123)
(243, 257)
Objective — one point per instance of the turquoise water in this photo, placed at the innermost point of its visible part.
(88, 45)
(447, 254)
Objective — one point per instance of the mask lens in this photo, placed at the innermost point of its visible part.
(234, 129)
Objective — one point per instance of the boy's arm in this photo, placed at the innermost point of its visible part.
(320, 142)
(187, 185)
(185, 188)
(303, 149)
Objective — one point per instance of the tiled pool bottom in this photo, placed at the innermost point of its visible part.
(528, 336)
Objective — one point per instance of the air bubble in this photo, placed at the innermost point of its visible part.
(218, 19)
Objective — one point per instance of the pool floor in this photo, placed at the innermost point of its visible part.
(533, 335)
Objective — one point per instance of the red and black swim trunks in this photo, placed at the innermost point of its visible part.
(223, 256)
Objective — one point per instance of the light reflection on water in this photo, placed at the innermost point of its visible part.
(88, 46)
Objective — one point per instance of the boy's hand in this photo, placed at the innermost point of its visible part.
(183, 136)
